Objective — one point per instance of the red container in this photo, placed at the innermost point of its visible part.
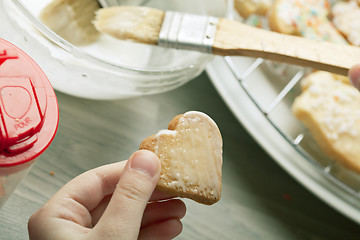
(29, 115)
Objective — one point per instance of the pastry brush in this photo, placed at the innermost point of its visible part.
(220, 36)
(72, 20)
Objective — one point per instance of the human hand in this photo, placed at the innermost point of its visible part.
(354, 76)
(115, 201)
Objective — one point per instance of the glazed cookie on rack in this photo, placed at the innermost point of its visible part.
(307, 18)
(253, 12)
(247, 7)
(346, 18)
(329, 107)
(190, 152)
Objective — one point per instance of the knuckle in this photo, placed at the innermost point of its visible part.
(35, 222)
(133, 191)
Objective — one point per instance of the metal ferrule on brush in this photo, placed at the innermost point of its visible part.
(188, 31)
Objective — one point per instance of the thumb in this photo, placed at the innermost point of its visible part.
(354, 76)
(122, 217)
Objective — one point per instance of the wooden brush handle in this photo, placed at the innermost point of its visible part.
(237, 39)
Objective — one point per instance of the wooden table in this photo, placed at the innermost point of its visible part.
(260, 200)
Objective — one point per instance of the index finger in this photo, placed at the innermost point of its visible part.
(354, 75)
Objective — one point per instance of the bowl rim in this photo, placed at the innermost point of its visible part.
(54, 38)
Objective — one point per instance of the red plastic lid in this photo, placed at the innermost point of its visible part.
(29, 112)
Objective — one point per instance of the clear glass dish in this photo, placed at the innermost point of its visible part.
(107, 68)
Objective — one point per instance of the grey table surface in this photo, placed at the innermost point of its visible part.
(259, 199)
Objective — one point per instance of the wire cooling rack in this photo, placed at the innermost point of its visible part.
(284, 81)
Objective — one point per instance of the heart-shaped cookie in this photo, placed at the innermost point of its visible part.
(190, 151)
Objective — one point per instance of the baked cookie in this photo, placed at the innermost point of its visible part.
(346, 18)
(72, 20)
(248, 7)
(190, 151)
(330, 109)
(307, 18)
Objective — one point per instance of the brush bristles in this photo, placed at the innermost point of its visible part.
(72, 20)
(140, 24)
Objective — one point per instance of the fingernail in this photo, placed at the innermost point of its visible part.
(354, 76)
(146, 162)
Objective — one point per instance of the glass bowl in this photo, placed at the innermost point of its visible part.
(108, 68)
